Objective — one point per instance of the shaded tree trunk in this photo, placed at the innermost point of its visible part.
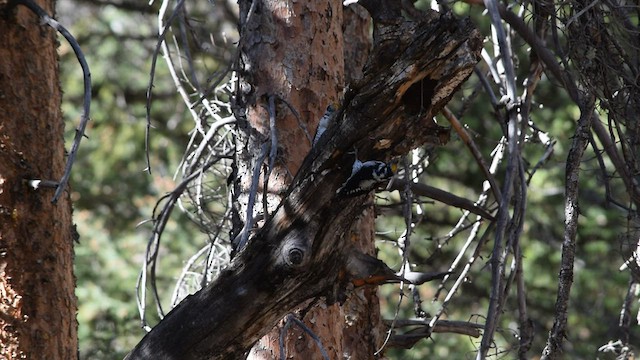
(38, 307)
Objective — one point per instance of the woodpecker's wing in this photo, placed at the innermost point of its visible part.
(364, 177)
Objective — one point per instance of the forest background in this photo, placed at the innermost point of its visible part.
(113, 195)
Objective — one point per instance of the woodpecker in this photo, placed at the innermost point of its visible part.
(365, 176)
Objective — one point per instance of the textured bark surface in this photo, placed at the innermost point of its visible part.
(293, 51)
(351, 330)
(361, 320)
(301, 251)
(38, 307)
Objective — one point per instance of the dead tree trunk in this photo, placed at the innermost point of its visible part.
(37, 285)
(302, 251)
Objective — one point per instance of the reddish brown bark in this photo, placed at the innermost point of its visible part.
(318, 70)
(361, 320)
(38, 304)
(293, 52)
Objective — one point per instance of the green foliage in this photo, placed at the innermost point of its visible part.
(599, 288)
(111, 190)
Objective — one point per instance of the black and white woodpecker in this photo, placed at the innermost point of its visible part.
(365, 176)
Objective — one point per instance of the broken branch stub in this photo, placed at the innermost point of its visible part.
(302, 251)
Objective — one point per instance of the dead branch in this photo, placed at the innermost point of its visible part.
(565, 279)
(514, 160)
(445, 197)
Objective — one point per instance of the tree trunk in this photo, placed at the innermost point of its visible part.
(38, 308)
(303, 250)
(353, 328)
(292, 52)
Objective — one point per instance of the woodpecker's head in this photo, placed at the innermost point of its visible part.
(383, 171)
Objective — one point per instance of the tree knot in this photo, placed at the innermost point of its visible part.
(294, 252)
(294, 257)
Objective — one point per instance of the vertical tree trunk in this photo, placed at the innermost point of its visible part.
(38, 304)
(295, 53)
(362, 323)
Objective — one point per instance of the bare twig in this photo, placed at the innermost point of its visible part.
(541, 50)
(210, 256)
(463, 274)
(421, 330)
(154, 59)
(565, 278)
(526, 325)
(200, 150)
(623, 171)
(255, 180)
(154, 243)
(486, 86)
(183, 37)
(535, 74)
(548, 152)
(404, 243)
(514, 232)
(234, 58)
(579, 13)
(473, 148)
(445, 197)
(624, 322)
(497, 159)
(498, 254)
(301, 123)
(186, 269)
